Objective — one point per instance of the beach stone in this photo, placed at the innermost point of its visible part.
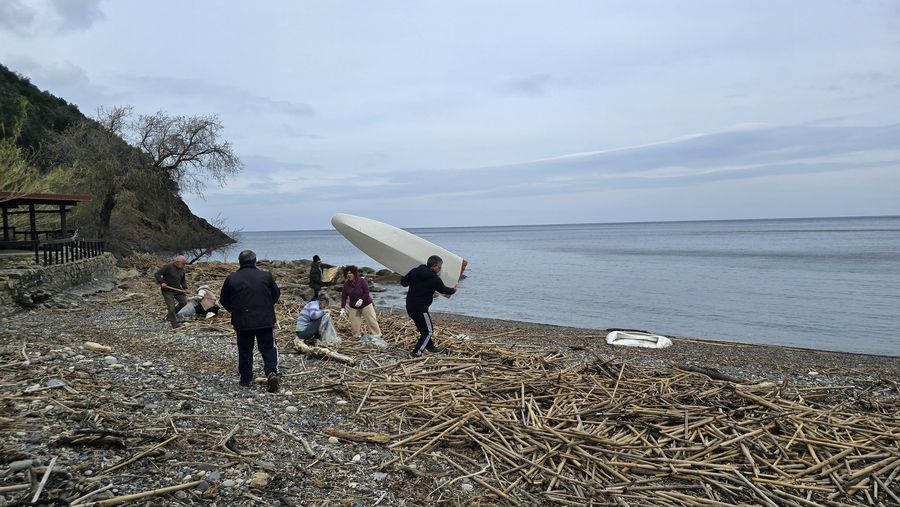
(202, 487)
(467, 487)
(260, 480)
(181, 495)
(55, 382)
(110, 360)
(23, 464)
(215, 475)
(342, 402)
(228, 483)
(333, 440)
(356, 458)
(291, 409)
(379, 476)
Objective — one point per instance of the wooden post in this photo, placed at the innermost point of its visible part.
(34, 238)
(5, 225)
(62, 219)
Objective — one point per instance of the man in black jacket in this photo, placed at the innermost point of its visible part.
(250, 295)
(316, 273)
(423, 281)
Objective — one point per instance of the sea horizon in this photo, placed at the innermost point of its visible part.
(710, 220)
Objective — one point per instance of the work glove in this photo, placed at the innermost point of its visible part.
(343, 312)
(358, 303)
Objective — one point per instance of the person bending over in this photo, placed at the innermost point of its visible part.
(310, 319)
(423, 281)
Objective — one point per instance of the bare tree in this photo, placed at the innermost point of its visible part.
(120, 152)
(187, 149)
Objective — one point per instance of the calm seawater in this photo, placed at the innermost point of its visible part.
(818, 283)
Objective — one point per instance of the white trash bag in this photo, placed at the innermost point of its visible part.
(369, 339)
(327, 333)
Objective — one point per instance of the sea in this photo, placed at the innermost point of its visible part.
(817, 283)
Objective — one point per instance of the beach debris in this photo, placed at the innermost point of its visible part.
(96, 347)
(377, 341)
(321, 352)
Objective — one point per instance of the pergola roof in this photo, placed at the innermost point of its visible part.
(16, 199)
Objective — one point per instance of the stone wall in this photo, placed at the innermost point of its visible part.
(27, 287)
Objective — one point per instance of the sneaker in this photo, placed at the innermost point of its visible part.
(272, 382)
(245, 384)
(413, 355)
(438, 350)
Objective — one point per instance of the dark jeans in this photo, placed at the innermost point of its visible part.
(311, 333)
(174, 302)
(426, 329)
(265, 340)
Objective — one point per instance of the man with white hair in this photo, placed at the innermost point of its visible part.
(173, 286)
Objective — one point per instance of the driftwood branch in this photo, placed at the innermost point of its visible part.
(322, 352)
(358, 436)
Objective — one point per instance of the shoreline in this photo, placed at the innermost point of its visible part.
(682, 339)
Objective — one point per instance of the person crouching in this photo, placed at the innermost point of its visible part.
(309, 322)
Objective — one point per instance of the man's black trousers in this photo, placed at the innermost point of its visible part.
(265, 340)
(426, 329)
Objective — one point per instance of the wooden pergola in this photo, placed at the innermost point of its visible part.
(32, 238)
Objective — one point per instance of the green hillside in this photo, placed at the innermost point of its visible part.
(135, 208)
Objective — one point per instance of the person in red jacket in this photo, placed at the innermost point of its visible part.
(356, 294)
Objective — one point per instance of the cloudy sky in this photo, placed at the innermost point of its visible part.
(431, 113)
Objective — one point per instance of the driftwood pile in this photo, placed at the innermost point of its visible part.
(533, 429)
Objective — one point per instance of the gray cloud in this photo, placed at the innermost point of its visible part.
(53, 15)
(77, 15)
(225, 96)
(531, 86)
(740, 154)
(16, 17)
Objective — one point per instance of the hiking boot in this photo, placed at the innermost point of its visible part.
(272, 382)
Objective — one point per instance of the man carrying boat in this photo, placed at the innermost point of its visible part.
(423, 281)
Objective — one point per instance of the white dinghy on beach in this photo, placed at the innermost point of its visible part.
(638, 339)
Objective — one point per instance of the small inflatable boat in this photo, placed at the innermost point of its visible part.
(638, 339)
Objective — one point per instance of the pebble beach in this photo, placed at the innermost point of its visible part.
(155, 416)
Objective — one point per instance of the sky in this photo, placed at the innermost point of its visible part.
(467, 113)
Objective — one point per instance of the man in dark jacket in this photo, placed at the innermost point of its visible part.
(316, 272)
(250, 295)
(174, 287)
(423, 281)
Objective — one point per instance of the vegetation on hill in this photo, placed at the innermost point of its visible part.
(135, 167)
